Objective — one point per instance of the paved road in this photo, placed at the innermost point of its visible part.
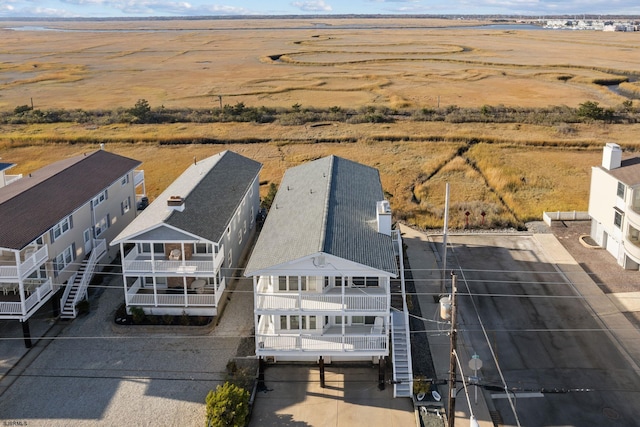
(543, 337)
(97, 373)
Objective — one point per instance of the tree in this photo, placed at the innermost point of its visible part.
(591, 110)
(141, 111)
(227, 406)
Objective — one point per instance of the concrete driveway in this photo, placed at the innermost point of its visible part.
(351, 398)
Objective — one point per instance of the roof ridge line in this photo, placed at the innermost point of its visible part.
(325, 213)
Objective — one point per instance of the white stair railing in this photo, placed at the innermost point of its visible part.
(98, 251)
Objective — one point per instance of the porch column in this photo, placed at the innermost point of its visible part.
(344, 318)
(26, 333)
(184, 288)
(321, 366)
(381, 372)
(55, 306)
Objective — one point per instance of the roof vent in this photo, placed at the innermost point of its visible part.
(175, 203)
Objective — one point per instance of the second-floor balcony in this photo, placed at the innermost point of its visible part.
(372, 299)
(30, 259)
(147, 263)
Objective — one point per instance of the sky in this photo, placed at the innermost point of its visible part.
(172, 8)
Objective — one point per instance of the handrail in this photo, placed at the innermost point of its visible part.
(67, 289)
(405, 311)
(97, 253)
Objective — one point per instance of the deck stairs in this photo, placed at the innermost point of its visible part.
(400, 336)
(401, 355)
(76, 289)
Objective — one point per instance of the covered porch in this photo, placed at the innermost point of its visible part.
(20, 301)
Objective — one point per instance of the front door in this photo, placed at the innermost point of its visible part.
(87, 241)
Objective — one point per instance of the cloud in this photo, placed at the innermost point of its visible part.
(312, 6)
(162, 7)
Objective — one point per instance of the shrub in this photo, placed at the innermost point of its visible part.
(138, 314)
(227, 406)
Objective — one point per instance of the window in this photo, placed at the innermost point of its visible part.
(363, 320)
(144, 248)
(296, 322)
(203, 248)
(102, 225)
(63, 259)
(292, 283)
(125, 205)
(99, 198)
(62, 227)
(125, 180)
(617, 219)
(230, 259)
(158, 248)
(239, 236)
(621, 190)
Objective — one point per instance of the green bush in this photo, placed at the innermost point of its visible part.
(138, 315)
(227, 406)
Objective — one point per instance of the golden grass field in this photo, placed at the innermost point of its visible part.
(514, 173)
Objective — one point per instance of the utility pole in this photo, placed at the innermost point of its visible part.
(451, 416)
(444, 240)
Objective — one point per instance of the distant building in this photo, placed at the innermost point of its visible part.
(56, 225)
(614, 206)
(180, 252)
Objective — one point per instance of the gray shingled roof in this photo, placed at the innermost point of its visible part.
(212, 189)
(32, 205)
(628, 172)
(327, 205)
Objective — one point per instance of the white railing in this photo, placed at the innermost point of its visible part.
(324, 343)
(38, 295)
(98, 252)
(29, 265)
(138, 177)
(321, 302)
(405, 315)
(549, 217)
(136, 263)
(182, 300)
(8, 179)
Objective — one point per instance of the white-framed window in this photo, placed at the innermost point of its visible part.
(64, 258)
(617, 218)
(360, 282)
(230, 258)
(292, 283)
(99, 198)
(239, 236)
(245, 226)
(125, 180)
(144, 248)
(62, 227)
(125, 205)
(295, 322)
(102, 225)
(621, 188)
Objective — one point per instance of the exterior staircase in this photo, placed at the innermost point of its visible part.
(400, 336)
(401, 356)
(76, 289)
